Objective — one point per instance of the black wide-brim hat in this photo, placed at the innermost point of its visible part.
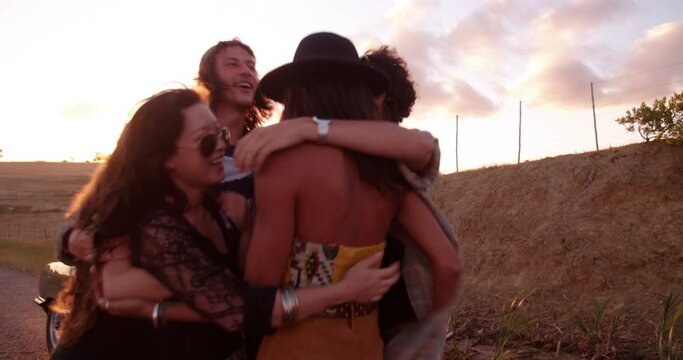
(321, 56)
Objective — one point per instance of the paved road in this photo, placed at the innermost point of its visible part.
(22, 323)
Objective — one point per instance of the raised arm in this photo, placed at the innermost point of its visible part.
(424, 229)
(415, 148)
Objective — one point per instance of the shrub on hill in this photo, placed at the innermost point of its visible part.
(661, 121)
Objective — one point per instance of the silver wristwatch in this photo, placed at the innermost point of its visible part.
(323, 129)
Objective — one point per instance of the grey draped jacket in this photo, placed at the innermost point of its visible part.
(426, 338)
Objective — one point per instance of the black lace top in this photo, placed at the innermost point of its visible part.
(189, 264)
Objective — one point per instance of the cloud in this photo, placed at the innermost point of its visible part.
(653, 67)
(575, 27)
(81, 111)
(410, 11)
(478, 41)
(661, 44)
(585, 15)
(461, 99)
(567, 47)
(433, 66)
(562, 82)
(546, 52)
(468, 100)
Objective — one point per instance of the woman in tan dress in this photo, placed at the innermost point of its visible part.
(322, 209)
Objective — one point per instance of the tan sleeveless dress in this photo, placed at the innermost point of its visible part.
(347, 331)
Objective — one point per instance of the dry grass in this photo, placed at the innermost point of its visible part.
(33, 199)
(25, 257)
(595, 228)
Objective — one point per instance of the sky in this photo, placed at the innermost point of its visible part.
(72, 70)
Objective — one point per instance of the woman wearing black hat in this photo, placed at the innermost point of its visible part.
(322, 209)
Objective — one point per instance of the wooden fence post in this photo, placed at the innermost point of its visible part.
(519, 146)
(457, 121)
(595, 123)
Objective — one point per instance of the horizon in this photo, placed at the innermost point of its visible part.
(487, 166)
(476, 60)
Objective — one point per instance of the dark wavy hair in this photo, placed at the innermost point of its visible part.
(329, 96)
(207, 80)
(400, 96)
(132, 182)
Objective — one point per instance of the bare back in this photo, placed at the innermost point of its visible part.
(313, 193)
(333, 204)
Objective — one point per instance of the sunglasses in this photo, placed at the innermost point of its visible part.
(208, 142)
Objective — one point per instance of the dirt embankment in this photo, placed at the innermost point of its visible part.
(578, 230)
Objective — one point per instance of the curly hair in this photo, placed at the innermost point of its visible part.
(208, 82)
(400, 96)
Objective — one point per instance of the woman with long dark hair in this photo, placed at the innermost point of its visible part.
(155, 189)
(404, 309)
(323, 209)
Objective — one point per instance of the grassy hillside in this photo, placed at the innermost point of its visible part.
(592, 242)
(596, 237)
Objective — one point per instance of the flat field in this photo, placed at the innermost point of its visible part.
(33, 199)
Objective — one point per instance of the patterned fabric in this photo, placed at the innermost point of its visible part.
(349, 310)
(346, 331)
(425, 339)
(313, 264)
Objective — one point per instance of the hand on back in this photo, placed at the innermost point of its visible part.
(365, 282)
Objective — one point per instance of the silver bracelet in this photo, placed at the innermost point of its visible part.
(155, 315)
(290, 306)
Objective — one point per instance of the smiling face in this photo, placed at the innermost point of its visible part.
(236, 72)
(188, 167)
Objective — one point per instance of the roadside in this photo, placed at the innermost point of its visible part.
(22, 323)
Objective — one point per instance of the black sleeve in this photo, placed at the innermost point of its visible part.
(258, 310)
(62, 246)
(169, 250)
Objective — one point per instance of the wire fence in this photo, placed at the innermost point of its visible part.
(19, 231)
(605, 100)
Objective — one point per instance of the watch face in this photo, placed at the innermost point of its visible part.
(323, 128)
